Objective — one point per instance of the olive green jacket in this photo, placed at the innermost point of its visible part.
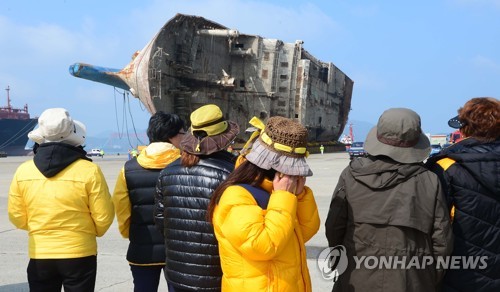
(385, 209)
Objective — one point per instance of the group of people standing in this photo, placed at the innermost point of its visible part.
(215, 221)
(392, 205)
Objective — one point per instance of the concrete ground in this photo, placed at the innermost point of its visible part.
(113, 273)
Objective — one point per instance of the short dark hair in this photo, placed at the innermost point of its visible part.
(163, 126)
(481, 116)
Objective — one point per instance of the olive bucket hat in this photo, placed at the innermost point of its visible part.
(398, 135)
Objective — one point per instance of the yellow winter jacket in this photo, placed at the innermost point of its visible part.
(263, 250)
(63, 214)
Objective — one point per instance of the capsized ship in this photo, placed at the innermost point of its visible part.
(193, 61)
(15, 124)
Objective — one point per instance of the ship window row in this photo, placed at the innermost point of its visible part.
(264, 75)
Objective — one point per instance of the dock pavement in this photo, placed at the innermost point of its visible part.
(113, 271)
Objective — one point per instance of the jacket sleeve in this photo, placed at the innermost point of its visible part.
(100, 203)
(336, 221)
(122, 204)
(16, 206)
(158, 207)
(307, 214)
(258, 234)
(442, 234)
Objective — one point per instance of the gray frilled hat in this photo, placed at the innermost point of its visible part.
(398, 135)
(282, 147)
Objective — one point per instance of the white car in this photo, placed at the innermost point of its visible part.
(94, 152)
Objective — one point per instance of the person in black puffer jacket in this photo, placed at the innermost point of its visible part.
(470, 172)
(134, 196)
(184, 190)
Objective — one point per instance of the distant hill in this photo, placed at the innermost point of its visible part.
(360, 129)
(113, 142)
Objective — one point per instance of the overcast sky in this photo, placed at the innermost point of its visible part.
(430, 56)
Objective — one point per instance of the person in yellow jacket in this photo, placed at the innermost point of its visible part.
(61, 198)
(263, 213)
(134, 199)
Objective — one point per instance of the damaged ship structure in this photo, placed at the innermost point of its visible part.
(193, 61)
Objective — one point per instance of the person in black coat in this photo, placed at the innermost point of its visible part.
(470, 172)
(184, 190)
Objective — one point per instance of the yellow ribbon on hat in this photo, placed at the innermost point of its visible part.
(257, 123)
(197, 149)
(278, 146)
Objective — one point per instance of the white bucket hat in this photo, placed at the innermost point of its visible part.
(56, 125)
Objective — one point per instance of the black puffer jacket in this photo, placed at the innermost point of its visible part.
(192, 254)
(146, 243)
(470, 171)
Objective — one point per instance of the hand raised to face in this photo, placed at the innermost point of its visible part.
(289, 183)
(301, 182)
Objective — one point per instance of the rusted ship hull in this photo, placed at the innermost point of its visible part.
(193, 61)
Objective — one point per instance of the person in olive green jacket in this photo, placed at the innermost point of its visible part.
(61, 198)
(390, 213)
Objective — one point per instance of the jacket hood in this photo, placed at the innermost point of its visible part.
(382, 172)
(158, 155)
(52, 158)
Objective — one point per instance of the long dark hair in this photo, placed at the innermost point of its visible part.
(246, 173)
